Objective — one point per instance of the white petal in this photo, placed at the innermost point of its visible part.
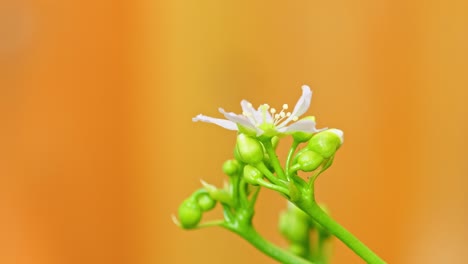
(239, 119)
(338, 132)
(301, 106)
(247, 108)
(220, 122)
(304, 125)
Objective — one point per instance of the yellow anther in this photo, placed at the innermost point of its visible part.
(285, 106)
(288, 114)
(272, 110)
(282, 114)
(295, 118)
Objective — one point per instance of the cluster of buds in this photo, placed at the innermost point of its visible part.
(255, 165)
(191, 210)
(320, 150)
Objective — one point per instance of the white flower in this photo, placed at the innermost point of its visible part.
(265, 120)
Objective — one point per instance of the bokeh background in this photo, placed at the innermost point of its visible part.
(97, 147)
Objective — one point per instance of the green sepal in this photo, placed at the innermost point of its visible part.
(301, 136)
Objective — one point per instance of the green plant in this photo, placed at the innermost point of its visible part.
(255, 165)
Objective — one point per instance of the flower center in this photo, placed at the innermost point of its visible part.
(278, 117)
(264, 109)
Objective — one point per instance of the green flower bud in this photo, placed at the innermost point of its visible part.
(205, 202)
(252, 175)
(231, 167)
(326, 142)
(293, 227)
(309, 160)
(298, 249)
(298, 212)
(249, 149)
(301, 136)
(221, 195)
(190, 214)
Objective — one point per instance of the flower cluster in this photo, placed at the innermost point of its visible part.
(306, 225)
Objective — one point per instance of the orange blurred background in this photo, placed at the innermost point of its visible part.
(97, 147)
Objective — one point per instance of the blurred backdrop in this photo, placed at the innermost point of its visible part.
(97, 147)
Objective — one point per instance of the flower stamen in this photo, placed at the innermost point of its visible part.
(281, 115)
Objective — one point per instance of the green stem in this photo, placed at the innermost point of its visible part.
(291, 152)
(254, 197)
(270, 176)
(274, 158)
(235, 189)
(273, 187)
(314, 211)
(243, 196)
(269, 249)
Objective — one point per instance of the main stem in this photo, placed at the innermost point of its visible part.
(269, 249)
(314, 211)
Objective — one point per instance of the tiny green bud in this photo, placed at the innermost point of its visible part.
(301, 136)
(190, 214)
(326, 142)
(298, 249)
(252, 175)
(294, 227)
(221, 195)
(231, 167)
(249, 149)
(205, 202)
(309, 160)
(297, 212)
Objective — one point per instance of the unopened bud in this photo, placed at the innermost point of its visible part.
(309, 160)
(221, 195)
(298, 249)
(231, 167)
(205, 202)
(252, 175)
(249, 149)
(326, 142)
(190, 214)
(293, 227)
